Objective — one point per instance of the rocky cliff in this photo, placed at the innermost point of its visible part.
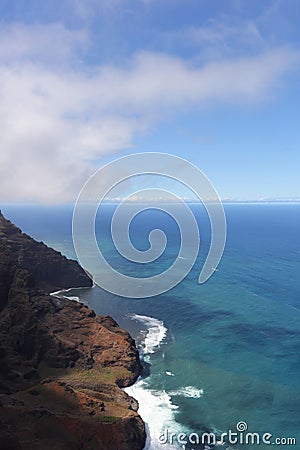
(61, 366)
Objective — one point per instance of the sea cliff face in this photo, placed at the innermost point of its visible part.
(62, 366)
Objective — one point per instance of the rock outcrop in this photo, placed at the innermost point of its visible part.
(49, 270)
(61, 366)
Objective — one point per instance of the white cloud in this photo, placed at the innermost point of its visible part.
(157, 81)
(57, 116)
(47, 44)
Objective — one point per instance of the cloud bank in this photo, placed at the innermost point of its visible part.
(59, 116)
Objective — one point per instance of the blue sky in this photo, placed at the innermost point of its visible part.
(83, 82)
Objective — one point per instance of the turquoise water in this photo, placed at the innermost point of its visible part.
(231, 349)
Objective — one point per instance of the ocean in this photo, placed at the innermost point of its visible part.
(219, 356)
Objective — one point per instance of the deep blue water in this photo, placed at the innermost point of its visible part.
(236, 337)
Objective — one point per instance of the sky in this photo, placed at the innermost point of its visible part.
(84, 82)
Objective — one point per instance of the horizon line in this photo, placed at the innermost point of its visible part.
(140, 201)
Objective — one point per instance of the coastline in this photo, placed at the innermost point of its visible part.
(155, 406)
(59, 369)
(221, 374)
(152, 339)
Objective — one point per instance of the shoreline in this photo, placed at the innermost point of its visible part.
(59, 295)
(63, 365)
(155, 334)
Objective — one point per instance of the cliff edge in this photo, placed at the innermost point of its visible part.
(61, 366)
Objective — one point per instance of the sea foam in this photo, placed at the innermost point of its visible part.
(187, 391)
(61, 292)
(155, 333)
(155, 406)
(157, 410)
